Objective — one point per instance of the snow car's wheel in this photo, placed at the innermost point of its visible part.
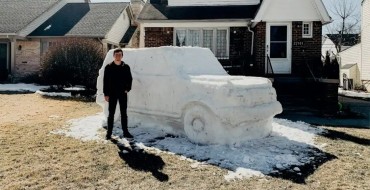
(198, 122)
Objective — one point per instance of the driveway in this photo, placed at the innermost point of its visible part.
(359, 118)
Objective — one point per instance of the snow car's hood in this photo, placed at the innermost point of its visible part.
(232, 81)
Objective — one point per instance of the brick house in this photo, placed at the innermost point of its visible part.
(279, 39)
(24, 39)
(247, 36)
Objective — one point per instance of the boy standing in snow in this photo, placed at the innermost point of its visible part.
(117, 83)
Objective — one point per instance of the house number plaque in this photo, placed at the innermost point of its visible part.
(298, 43)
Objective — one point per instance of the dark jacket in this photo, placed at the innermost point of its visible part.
(117, 79)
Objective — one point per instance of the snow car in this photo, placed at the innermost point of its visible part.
(186, 90)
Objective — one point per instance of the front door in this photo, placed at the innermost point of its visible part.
(278, 47)
(3, 61)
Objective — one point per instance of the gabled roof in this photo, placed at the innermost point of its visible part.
(82, 19)
(159, 11)
(17, 14)
(290, 10)
(348, 66)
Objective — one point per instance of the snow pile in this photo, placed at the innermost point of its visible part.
(353, 93)
(85, 129)
(75, 88)
(289, 145)
(185, 90)
(54, 94)
(242, 173)
(21, 87)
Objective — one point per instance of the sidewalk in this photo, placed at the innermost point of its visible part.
(353, 94)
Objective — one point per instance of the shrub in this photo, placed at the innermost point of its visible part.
(331, 68)
(361, 87)
(32, 78)
(76, 61)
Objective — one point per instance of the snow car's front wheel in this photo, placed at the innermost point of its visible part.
(198, 123)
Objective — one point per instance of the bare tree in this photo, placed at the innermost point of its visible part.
(347, 17)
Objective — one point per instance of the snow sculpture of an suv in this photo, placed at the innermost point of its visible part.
(187, 90)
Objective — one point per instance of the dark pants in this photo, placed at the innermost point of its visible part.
(112, 109)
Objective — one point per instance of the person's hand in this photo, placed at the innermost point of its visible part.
(106, 98)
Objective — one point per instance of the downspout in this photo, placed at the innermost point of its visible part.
(102, 44)
(249, 29)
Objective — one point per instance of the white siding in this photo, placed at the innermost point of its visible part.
(119, 29)
(365, 40)
(289, 10)
(211, 2)
(328, 45)
(352, 56)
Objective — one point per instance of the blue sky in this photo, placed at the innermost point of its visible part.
(330, 8)
(328, 5)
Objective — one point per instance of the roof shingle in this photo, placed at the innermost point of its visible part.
(82, 19)
(164, 12)
(17, 14)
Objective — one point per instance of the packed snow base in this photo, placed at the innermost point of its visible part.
(289, 145)
(186, 91)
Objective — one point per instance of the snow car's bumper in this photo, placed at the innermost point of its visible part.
(236, 116)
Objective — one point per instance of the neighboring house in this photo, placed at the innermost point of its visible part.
(328, 46)
(365, 44)
(53, 21)
(360, 53)
(18, 18)
(346, 40)
(350, 60)
(241, 33)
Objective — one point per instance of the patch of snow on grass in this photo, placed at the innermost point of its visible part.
(289, 145)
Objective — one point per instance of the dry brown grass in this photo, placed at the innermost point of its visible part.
(32, 158)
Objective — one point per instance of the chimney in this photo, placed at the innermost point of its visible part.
(137, 6)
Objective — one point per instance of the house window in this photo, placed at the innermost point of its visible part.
(307, 30)
(46, 45)
(214, 39)
(208, 39)
(221, 47)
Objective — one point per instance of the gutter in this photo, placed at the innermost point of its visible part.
(186, 21)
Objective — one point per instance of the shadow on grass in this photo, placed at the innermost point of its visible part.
(140, 160)
(318, 158)
(77, 99)
(314, 156)
(337, 135)
(16, 92)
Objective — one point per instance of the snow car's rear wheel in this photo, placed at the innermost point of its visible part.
(198, 122)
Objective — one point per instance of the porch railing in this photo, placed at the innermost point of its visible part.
(269, 69)
(310, 70)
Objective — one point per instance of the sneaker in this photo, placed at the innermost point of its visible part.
(127, 135)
